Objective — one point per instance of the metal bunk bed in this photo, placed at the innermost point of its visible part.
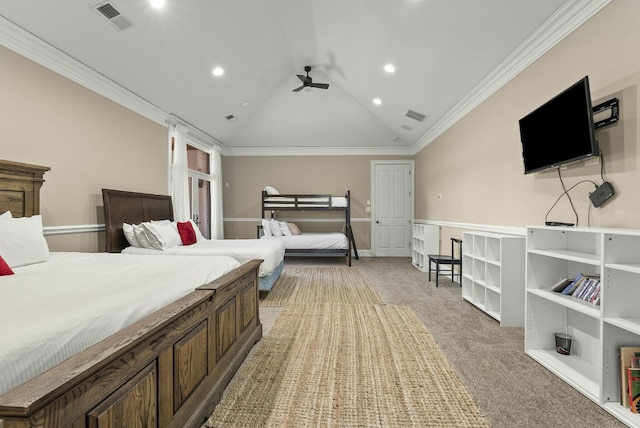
(273, 203)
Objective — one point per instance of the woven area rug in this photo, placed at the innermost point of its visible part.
(338, 365)
(322, 285)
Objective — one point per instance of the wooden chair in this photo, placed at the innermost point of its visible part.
(447, 259)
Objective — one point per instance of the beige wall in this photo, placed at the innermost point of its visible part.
(248, 175)
(88, 142)
(477, 163)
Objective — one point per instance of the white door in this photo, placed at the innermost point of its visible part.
(392, 208)
(200, 198)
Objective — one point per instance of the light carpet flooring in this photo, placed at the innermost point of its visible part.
(510, 388)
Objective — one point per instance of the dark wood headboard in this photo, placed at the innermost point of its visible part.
(20, 185)
(131, 207)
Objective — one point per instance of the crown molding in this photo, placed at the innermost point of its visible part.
(318, 151)
(570, 16)
(26, 44)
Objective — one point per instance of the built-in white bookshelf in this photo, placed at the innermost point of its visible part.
(493, 275)
(425, 241)
(598, 331)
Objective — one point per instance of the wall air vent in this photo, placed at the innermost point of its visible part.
(416, 116)
(107, 10)
(231, 118)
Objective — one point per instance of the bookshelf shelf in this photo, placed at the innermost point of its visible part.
(598, 331)
(570, 302)
(493, 275)
(629, 324)
(573, 370)
(425, 240)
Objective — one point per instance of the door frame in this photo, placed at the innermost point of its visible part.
(375, 163)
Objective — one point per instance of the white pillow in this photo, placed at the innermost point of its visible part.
(141, 236)
(128, 233)
(22, 242)
(276, 230)
(266, 227)
(271, 191)
(161, 235)
(5, 215)
(199, 235)
(284, 227)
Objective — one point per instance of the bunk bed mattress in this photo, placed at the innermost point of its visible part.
(52, 310)
(313, 241)
(322, 202)
(243, 250)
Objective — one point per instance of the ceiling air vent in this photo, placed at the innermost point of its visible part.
(111, 13)
(416, 116)
(231, 118)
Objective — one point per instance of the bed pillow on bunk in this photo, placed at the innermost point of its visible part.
(127, 229)
(271, 191)
(284, 227)
(5, 215)
(187, 233)
(161, 235)
(294, 229)
(5, 269)
(22, 242)
(275, 227)
(266, 227)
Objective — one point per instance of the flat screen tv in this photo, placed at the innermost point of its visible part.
(560, 131)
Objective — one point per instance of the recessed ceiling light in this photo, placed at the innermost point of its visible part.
(390, 68)
(218, 71)
(377, 101)
(246, 103)
(157, 3)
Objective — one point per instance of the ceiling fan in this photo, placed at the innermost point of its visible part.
(307, 81)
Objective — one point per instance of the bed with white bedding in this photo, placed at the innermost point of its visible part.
(311, 241)
(307, 244)
(188, 325)
(43, 324)
(271, 252)
(132, 210)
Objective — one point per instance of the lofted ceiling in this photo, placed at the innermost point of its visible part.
(448, 55)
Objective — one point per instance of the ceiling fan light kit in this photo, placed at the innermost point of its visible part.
(307, 81)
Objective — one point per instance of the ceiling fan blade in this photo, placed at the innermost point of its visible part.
(320, 85)
(298, 89)
(303, 78)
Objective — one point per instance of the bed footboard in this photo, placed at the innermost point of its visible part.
(168, 369)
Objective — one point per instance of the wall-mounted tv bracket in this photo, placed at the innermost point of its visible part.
(613, 105)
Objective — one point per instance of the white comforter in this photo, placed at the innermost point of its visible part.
(312, 241)
(52, 310)
(243, 250)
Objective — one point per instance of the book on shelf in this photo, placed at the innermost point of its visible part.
(633, 374)
(561, 285)
(590, 289)
(626, 353)
(575, 283)
(584, 285)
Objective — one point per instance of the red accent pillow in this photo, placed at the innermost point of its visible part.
(187, 234)
(4, 268)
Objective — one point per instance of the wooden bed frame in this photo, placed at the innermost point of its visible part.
(167, 370)
(133, 208)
